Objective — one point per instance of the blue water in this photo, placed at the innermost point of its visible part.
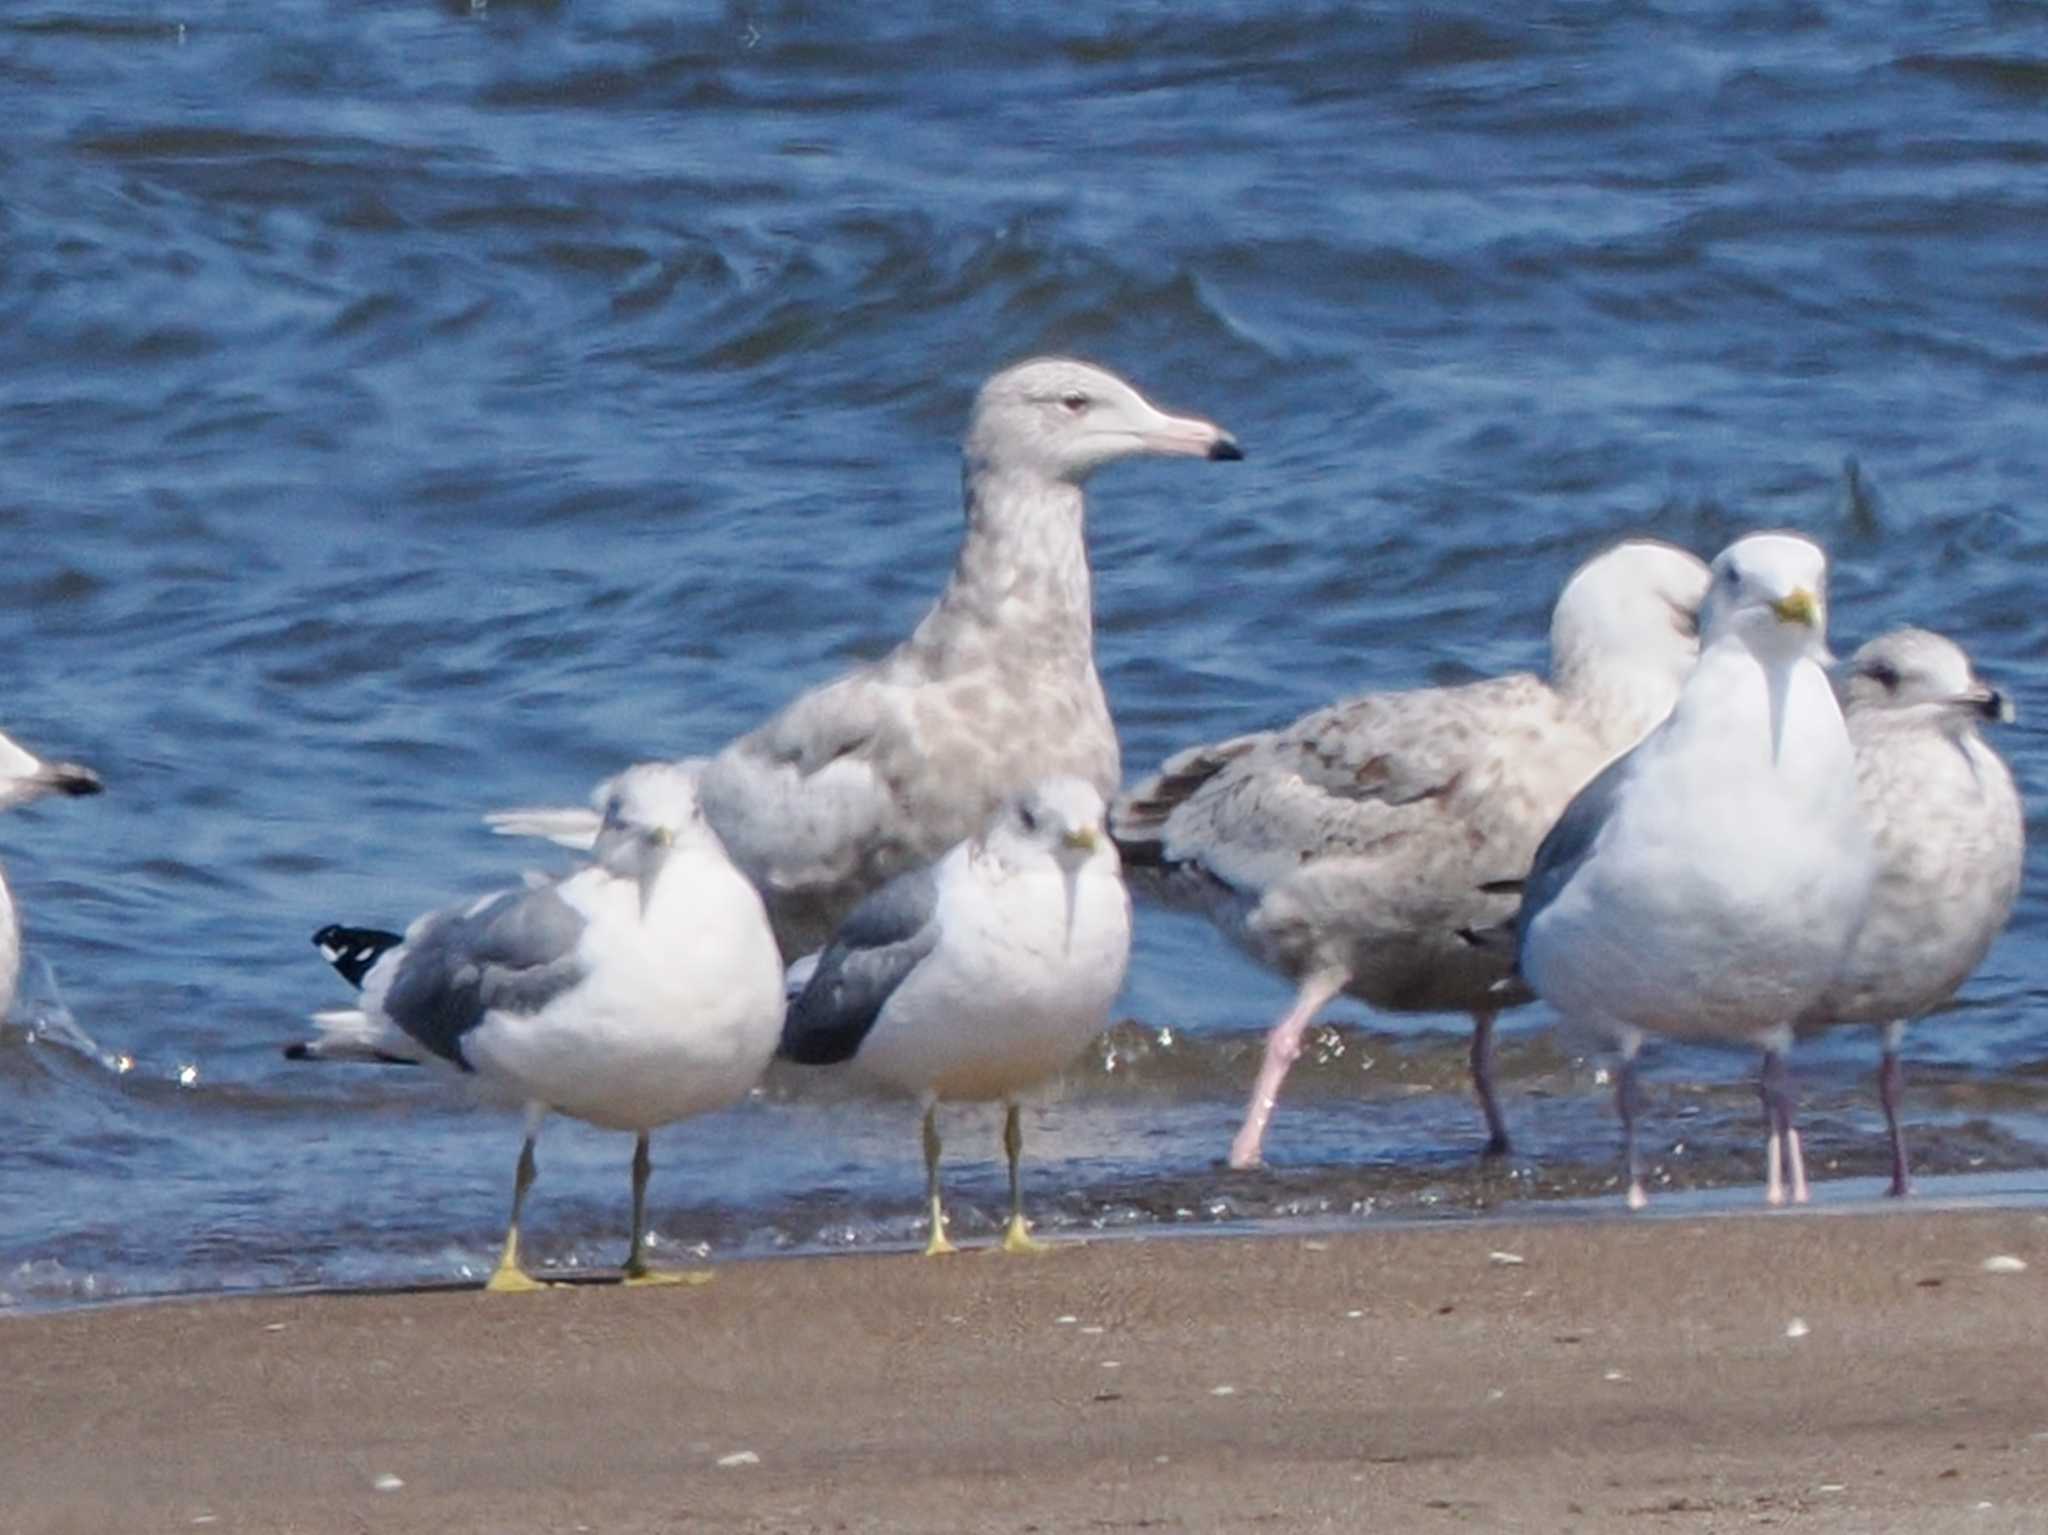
(408, 409)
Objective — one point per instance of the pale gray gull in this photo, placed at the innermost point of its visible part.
(1950, 836)
(1348, 849)
(24, 777)
(886, 767)
(641, 989)
(979, 976)
(1707, 885)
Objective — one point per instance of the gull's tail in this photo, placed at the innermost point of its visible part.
(350, 1034)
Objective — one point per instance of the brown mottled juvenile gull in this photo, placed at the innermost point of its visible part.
(1347, 850)
(888, 766)
(23, 777)
(1707, 884)
(1950, 835)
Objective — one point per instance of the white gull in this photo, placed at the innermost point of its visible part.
(641, 989)
(1706, 885)
(979, 976)
(24, 777)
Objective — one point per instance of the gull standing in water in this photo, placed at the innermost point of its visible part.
(883, 769)
(1707, 884)
(1950, 835)
(641, 989)
(979, 976)
(1347, 850)
(24, 777)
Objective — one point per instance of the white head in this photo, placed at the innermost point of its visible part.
(1060, 817)
(1770, 590)
(1919, 669)
(1060, 421)
(649, 811)
(1630, 614)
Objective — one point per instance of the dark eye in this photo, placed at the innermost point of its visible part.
(1026, 815)
(1735, 575)
(1884, 674)
(1074, 403)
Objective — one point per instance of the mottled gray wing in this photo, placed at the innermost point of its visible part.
(516, 951)
(880, 943)
(1569, 843)
(1365, 778)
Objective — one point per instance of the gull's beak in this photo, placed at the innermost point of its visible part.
(662, 836)
(1799, 606)
(69, 778)
(1187, 437)
(1990, 703)
(1083, 839)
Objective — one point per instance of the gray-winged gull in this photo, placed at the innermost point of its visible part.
(1950, 835)
(884, 768)
(638, 990)
(23, 777)
(1348, 849)
(980, 975)
(1707, 884)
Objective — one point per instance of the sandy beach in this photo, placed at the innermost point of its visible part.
(1825, 1372)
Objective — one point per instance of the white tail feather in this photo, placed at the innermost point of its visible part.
(350, 1034)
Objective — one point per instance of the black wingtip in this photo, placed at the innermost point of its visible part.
(353, 950)
(298, 1051)
(1224, 450)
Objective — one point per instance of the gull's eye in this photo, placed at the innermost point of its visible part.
(1073, 404)
(1735, 577)
(1884, 674)
(1028, 817)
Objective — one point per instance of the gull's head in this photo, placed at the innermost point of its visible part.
(1063, 818)
(1635, 605)
(1061, 420)
(1771, 590)
(1919, 669)
(648, 812)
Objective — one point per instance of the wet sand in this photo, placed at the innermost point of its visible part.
(1819, 1372)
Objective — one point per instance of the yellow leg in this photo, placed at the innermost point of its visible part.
(509, 1278)
(637, 1271)
(1017, 1237)
(938, 1246)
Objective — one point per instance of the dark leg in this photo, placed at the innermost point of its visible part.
(1891, 1089)
(1482, 1084)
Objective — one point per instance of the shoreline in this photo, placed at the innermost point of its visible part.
(1700, 1371)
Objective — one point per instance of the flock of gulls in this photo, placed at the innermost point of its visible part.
(1696, 826)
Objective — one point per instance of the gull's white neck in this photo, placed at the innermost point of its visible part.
(1737, 695)
(1022, 566)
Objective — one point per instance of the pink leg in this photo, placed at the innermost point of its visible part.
(1482, 1084)
(1891, 1088)
(1784, 1162)
(1283, 1048)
